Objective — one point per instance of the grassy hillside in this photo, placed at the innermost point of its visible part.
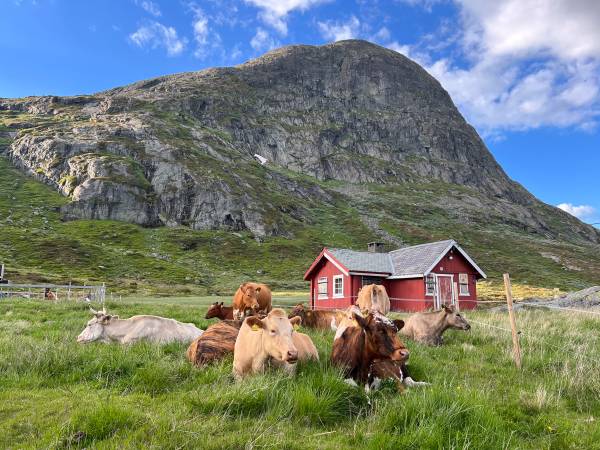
(55, 393)
(37, 246)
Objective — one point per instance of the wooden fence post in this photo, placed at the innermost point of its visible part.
(513, 323)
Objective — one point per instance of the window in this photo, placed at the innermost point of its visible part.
(430, 284)
(370, 280)
(338, 286)
(463, 283)
(322, 287)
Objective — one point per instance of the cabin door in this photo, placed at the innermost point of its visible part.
(444, 290)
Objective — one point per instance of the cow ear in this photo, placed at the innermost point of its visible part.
(449, 309)
(360, 320)
(296, 322)
(255, 323)
(399, 323)
(257, 289)
(243, 287)
(106, 319)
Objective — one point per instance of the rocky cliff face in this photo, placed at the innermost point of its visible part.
(178, 150)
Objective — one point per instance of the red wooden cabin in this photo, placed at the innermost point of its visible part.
(416, 278)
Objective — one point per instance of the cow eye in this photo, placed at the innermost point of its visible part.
(272, 331)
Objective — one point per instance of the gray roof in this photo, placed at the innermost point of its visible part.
(362, 261)
(415, 260)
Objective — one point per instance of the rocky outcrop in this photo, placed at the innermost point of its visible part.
(179, 150)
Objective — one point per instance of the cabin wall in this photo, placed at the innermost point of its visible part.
(407, 295)
(328, 270)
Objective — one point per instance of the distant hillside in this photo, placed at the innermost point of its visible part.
(362, 144)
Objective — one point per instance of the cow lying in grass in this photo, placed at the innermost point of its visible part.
(216, 342)
(369, 350)
(107, 328)
(251, 296)
(427, 328)
(270, 339)
(322, 320)
(373, 297)
(218, 310)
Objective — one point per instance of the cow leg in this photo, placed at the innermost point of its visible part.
(258, 365)
(351, 382)
(407, 379)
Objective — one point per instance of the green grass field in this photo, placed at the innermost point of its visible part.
(55, 393)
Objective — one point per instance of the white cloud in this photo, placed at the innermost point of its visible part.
(275, 12)
(338, 31)
(528, 64)
(262, 40)
(580, 211)
(150, 7)
(155, 34)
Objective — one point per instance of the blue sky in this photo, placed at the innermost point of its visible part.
(525, 73)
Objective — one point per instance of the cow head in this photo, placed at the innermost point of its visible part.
(277, 331)
(454, 320)
(249, 296)
(381, 334)
(298, 311)
(94, 330)
(215, 310)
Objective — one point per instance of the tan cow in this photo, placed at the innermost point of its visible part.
(428, 327)
(107, 328)
(270, 339)
(373, 297)
(253, 296)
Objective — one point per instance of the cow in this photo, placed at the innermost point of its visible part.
(253, 296)
(373, 297)
(368, 350)
(271, 339)
(108, 328)
(218, 310)
(428, 327)
(322, 320)
(357, 347)
(215, 343)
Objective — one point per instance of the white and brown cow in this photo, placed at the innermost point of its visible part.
(368, 350)
(273, 339)
(428, 327)
(108, 328)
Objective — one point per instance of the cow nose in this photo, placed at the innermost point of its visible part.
(468, 327)
(292, 356)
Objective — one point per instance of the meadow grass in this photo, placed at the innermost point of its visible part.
(56, 393)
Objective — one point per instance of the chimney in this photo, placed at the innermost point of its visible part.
(376, 247)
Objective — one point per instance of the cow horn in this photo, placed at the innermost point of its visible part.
(103, 309)
(93, 310)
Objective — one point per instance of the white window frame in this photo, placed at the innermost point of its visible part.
(322, 280)
(434, 285)
(335, 278)
(460, 286)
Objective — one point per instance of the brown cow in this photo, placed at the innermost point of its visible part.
(373, 297)
(218, 310)
(358, 347)
(216, 342)
(270, 339)
(428, 327)
(323, 320)
(253, 296)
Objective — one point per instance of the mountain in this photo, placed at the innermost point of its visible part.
(359, 140)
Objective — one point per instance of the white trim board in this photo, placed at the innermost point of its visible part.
(330, 258)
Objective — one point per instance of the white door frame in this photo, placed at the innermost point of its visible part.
(438, 300)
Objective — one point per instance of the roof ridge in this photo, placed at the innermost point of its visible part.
(421, 245)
